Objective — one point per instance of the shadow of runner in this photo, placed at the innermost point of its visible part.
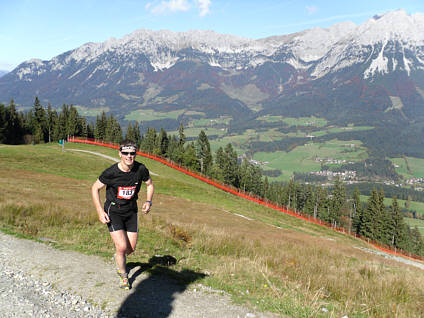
(153, 297)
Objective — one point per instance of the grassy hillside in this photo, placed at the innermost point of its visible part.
(261, 257)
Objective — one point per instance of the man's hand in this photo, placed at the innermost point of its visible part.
(103, 217)
(146, 207)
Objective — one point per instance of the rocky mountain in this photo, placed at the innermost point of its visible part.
(366, 74)
(2, 72)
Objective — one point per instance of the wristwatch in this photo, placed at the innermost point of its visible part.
(150, 202)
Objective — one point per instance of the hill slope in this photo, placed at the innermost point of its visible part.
(270, 260)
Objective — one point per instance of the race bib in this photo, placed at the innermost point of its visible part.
(126, 192)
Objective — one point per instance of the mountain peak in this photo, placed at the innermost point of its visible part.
(393, 25)
(317, 50)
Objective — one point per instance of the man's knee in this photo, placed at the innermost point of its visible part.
(121, 249)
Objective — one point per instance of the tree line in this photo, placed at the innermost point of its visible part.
(371, 220)
(40, 125)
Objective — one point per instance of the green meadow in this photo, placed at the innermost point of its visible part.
(301, 121)
(416, 167)
(258, 256)
(149, 114)
(305, 158)
(92, 112)
(416, 223)
(211, 122)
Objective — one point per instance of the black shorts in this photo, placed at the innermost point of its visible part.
(127, 221)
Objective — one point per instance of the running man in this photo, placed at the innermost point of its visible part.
(123, 181)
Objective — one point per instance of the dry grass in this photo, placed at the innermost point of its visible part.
(295, 271)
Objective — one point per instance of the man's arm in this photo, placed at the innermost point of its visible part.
(95, 190)
(149, 196)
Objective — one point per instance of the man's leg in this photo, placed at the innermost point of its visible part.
(122, 244)
(132, 239)
(132, 232)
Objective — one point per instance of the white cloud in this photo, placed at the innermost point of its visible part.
(171, 6)
(311, 9)
(168, 6)
(203, 7)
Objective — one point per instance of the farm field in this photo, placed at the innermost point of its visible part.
(193, 132)
(413, 205)
(301, 121)
(300, 159)
(416, 223)
(84, 111)
(303, 158)
(289, 266)
(210, 122)
(333, 130)
(149, 114)
(416, 167)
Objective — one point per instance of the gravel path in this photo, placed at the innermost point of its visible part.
(37, 280)
(104, 156)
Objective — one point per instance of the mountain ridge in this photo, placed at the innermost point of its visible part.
(369, 74)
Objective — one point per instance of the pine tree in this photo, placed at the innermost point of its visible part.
(181, 136)
(179, 152)
(163, 143)
(173, 148)
(63, 122)
(203, 151)
(83, 127)
(38, 126)
(51, 122)
(301, 197)
(321, 202)
(130, 134)
(72, 128)
(381, 219)
(14, 125)
(337, 202)
(190, 159)
(230, 171)
(265, 188)
(396, 226)
(137, 134)
(90, 130)
(310, 197)
(291, 199)
(115, 129)
(416, 241)
(245, 177)
(133, 133)
(3, 123)
(250, 178)
(367, 226)
(100, 127)
(357, 211)
(218, 167)
(257, 184)
(149, 142)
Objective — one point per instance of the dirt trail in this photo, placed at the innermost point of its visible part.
(96, 281)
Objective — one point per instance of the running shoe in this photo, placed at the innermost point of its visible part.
(124, 284)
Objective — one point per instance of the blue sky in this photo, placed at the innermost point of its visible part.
(46, 28)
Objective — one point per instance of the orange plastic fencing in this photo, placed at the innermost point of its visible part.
(249, 196)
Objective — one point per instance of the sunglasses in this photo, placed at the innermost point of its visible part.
(128, 153)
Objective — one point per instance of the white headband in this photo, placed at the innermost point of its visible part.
(129, 148)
